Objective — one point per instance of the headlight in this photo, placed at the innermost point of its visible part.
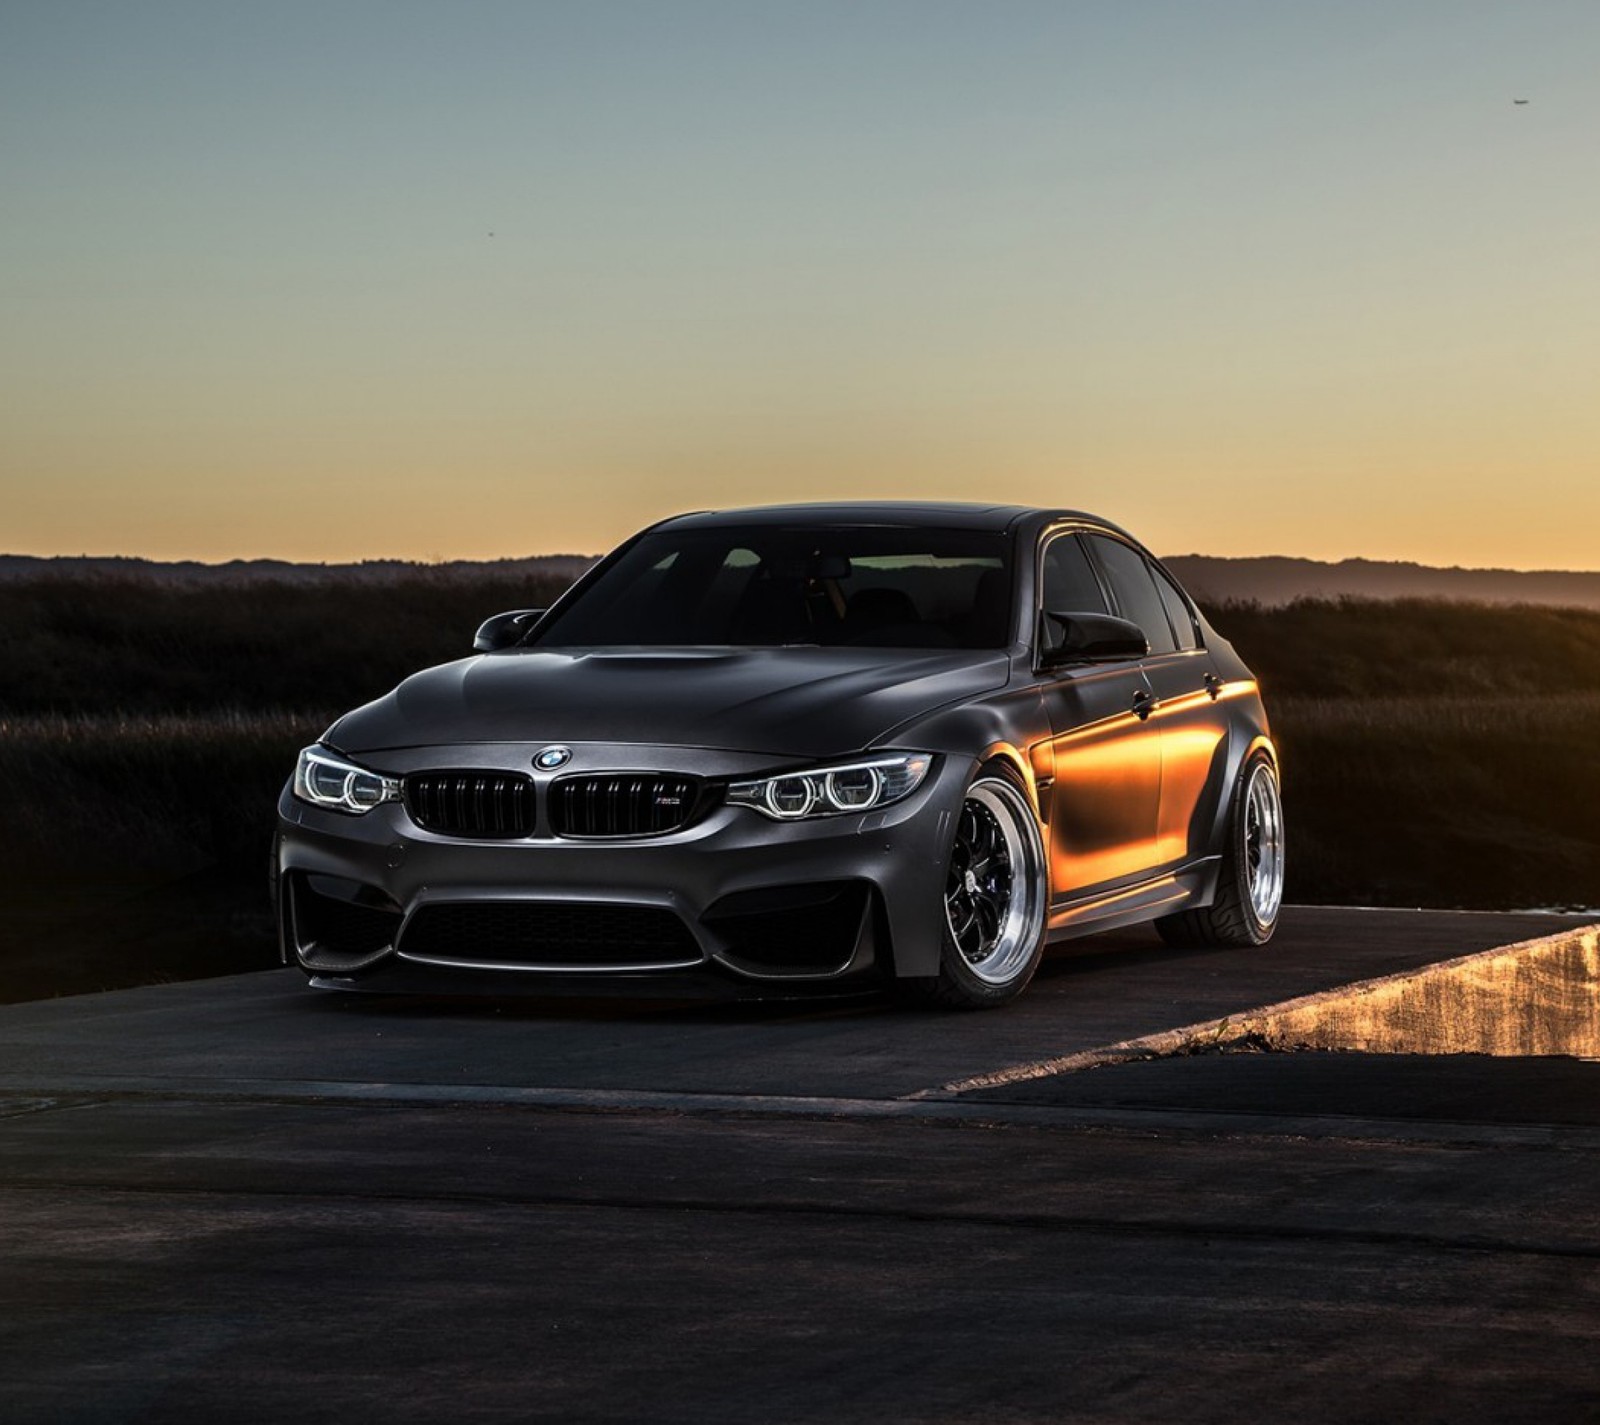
(325, 780)
(832, 791)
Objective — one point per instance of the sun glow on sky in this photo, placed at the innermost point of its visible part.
(359, 280)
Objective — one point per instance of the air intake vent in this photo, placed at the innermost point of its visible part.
(487, 805)
(550, 935)
(338, 917)
(622, 804)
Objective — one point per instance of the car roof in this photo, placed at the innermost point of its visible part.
(924, 513)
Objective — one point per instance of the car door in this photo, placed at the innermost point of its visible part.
(1105, 797)
(1192, 727)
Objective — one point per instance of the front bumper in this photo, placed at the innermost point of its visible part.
(734, 900)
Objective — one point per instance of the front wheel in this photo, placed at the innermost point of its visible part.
(995, 894)
(1250, 885)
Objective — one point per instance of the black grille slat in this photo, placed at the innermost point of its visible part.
(580, 934)
(492, 805)
(500, 805)
(622, 804)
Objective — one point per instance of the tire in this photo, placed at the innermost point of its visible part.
(996, 893)
(1250, 886)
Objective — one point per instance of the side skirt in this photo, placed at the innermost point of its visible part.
(1191, 885)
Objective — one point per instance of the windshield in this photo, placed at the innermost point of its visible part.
(766, 587)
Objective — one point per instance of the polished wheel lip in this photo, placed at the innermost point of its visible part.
(993, 904)
(1263, 844)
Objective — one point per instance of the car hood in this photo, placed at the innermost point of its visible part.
(789, 702)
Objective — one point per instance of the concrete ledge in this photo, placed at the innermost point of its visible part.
(1535, 997)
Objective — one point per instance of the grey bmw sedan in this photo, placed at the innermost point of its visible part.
(796, 749)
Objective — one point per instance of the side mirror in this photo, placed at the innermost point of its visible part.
(1084, 638)
(505, 630)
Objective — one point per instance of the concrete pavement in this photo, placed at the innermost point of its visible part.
(270, 1029)
(239, 1200)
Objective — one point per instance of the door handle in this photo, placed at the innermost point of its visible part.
(1143, 704)
(1214, 686)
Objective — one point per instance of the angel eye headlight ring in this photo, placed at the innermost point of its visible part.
(834, 791)
(324, 779)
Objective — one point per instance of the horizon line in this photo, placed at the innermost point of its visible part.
(441, 561)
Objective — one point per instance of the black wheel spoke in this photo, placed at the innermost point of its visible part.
(989, 916)
(962, 913)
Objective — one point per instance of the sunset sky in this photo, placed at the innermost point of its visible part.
(458, 280)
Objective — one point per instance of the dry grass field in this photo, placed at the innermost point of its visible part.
(1438, 754)
(1487, 803)
(145, 731)
(1434, 754)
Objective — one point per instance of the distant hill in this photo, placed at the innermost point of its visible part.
(1270, 581)
(15, 567)
(1274, 580)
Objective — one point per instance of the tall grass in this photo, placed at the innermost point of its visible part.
(118, 645)
(114, 797)
(133, 848)
(1406, 648)
(1481, 802)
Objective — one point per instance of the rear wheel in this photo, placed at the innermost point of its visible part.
(995, 896)
(1250, 886)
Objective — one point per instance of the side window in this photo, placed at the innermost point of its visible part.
(1133, 586)
(1178, 611)
(1068, 584)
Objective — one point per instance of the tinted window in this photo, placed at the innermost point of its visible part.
(1068, 582)
(765, 586)
(1133, 586)
(1177, 611)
